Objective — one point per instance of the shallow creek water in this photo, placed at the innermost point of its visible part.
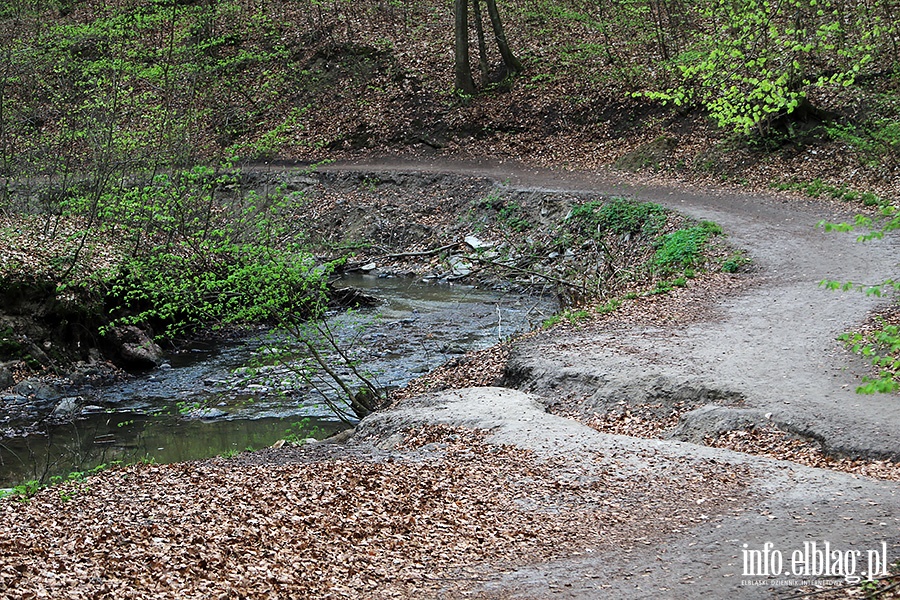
(416, 327)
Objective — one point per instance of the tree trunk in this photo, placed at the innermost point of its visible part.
(464, 82)
(512, 63)
(482, 47)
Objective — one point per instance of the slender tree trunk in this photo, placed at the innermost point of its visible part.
(464, 82)
(482, 47)
(512, 63)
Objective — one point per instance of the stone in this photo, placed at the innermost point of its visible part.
(67, 408)
(366, 268)
(477, 244)
(340, 437)
(37, 389)
(135, 349)
(6, 377)
(353, 297)
(459, 266)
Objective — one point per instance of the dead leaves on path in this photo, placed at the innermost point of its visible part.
(479, 368)
(774, 443)
(336, 528)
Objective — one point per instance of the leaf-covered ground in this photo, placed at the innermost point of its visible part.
(310, 81)
(371, 524)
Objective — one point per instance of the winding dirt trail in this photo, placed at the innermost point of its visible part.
(772, 344)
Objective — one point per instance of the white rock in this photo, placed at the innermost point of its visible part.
(460, 266)
(476, 243)
(67, 407)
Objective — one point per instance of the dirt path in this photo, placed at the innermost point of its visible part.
(781, 503)
(772, 346)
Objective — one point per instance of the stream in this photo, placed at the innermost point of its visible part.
(201, 403)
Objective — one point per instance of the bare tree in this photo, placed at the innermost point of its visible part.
(462, 67)
(512, 63)
(464, 82)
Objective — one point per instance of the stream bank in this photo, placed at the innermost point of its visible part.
(550, 494)
(519, 245)
(198, 404)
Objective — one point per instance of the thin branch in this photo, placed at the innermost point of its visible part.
(431, 252)
(524, 271)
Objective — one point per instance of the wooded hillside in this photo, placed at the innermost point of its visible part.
(711, 88)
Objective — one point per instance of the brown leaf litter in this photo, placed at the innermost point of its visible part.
(443, 514)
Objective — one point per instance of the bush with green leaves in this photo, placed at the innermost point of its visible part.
(201, 258)
(683, 248)
(758, 59)
(617, 215)
(881, 345)
(195, 257)
(735, 262)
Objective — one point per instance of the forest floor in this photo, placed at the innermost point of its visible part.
(534, 492)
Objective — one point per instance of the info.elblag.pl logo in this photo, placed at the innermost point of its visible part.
(816, 559)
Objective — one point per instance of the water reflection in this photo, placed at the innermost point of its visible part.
(129, 437)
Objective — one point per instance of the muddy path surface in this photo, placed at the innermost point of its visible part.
(765, 354)
(772, 346)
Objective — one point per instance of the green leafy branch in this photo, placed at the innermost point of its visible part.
(881, 346)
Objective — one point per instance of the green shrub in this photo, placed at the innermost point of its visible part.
(882, 347)
(619, 216)
(680, 249)
(198, 260)
(758, 60)
(735, 262)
